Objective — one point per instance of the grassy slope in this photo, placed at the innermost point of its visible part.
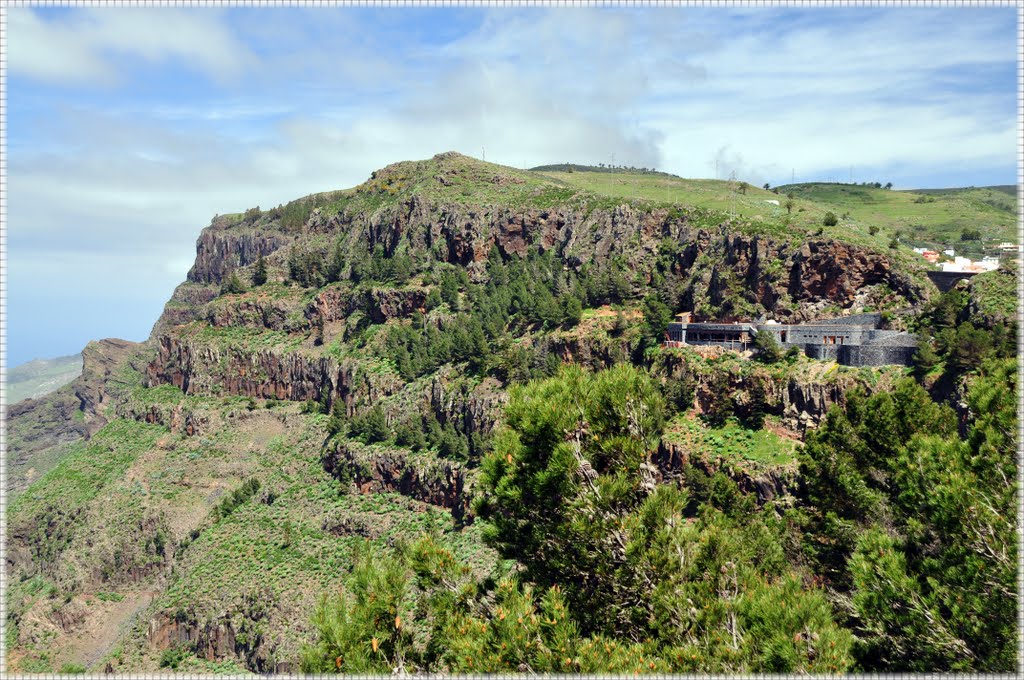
(37, 441)
(937, 222)
(277, 547)
(747, 207)
(41, 376)
(994, 294)
(731, 443)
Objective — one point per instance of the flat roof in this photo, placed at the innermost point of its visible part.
(719, 326)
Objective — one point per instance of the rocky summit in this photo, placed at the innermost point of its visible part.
(362, 428)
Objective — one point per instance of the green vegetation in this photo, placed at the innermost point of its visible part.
(52, 506)
(109, 597)
(993, 295)
(767, 348)
(41, 376)
(173, 657)
(237, 497)
(232, 285)
(732, 443)
(964, 328)
(936, 536)
(566, 496)
(422, 609)
(259, 274)
(933, 218)
(455, 499)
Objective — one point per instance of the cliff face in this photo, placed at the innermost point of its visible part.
(37, 430)
(100, 360)
(734, 273)
(800, 396)
(762, 270)
(672, 459)
(713, 264)
(375, 469)
(286, 341)
(196, 367)
(220, 250)
(236, 635)
(819, 271)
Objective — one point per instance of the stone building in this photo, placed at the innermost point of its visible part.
(853, 340)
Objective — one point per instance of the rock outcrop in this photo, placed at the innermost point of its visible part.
(375, 468)
(44, 423)
(234, 636)
(469, 408)
(204, 368)
(380, 304)
(100, 361)
(225, 245)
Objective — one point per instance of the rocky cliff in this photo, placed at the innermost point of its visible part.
(202, 408)
(374, 469)
(228, 244)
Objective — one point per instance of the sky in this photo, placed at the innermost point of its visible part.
(128, 129)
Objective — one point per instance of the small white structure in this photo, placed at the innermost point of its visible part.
(772, 201)
(950, 252)
(964, 264)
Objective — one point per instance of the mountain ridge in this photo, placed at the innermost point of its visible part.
(334, 370)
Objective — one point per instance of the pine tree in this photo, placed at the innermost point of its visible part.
(232, 285)
(259, 274)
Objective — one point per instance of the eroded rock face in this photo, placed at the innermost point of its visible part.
(836, 271)
(381, 304)
(257, 313)
(175, 417)
(217, 640)
(800, 399)
(100, 360)
(187, 304)
(720, 267)
(44, 423)
(218, 251)
(198, 368)
(375, 469)
(469, 409)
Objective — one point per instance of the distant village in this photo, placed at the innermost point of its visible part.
(953, 263)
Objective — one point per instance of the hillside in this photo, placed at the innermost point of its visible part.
(334, 402)
(933, 218)
(41, 376)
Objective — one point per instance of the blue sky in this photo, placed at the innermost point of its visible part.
(128, 129)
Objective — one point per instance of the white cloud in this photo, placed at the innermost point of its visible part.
(89, 47)
(135, 180)
(51, 53)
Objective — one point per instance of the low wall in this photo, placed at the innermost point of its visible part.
(872, 319)
(823, 352)
(876, 355)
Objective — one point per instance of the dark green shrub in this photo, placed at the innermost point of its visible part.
(173, 657)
